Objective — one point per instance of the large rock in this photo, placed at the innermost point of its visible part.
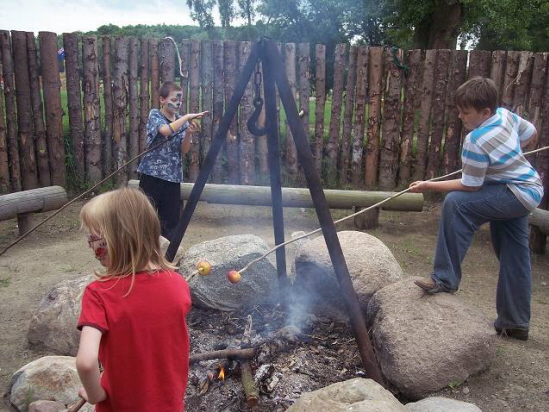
(426, 342)
(164, 243)
(259, 283)
(371, 266)
(439, 404)
(53, 324)
(47, 406)
(49, 378)
(355, 395)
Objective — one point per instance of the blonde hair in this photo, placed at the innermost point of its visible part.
(128, 223)
(479, 93)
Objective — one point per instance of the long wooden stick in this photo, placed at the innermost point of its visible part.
(250, 389)
(225, 353)
(77, 406)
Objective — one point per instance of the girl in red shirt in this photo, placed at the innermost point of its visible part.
(133, 315)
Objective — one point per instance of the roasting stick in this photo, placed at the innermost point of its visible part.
(77, 406)
(358, 213)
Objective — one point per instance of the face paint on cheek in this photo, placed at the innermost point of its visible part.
(100, 251)
(175, 106)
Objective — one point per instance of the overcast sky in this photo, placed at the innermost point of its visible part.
(65, 16)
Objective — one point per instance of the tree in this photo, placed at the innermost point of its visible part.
(201, 11)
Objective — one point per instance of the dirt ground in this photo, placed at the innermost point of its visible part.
(517, 380)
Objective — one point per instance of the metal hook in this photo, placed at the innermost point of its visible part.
(252, 121)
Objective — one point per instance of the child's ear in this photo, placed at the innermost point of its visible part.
(487, 112)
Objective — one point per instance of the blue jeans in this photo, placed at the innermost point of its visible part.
(462, 214)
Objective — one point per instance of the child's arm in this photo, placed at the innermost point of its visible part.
(170, 129)
(443, 186)
(530, 143)
(87, 364)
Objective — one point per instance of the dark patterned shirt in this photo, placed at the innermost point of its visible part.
(165, 162)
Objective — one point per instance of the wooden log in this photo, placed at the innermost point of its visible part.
(92, 131)
(9, 96)
(452, 141)
(332, 145)
(74, 102)
(540, 219)
(425, 115)
(479, 63)
(194, 104)
(522, 83)
(291, 151)
(320, 104)
(38, 200)
(184, 73)
(224, 353)
(218, 173)
(155, 74)
(144, 94)
(250, 389)
(51, 84)
(133, 135)
(299, 197)
(439, 105)
(233, 166)
(261, 147)
(375, 74)
(167, 60)
(510, 78)
(108, 163)
(536, 89)
(412, 96)
(207, 97)
(4, 165)
(247, 141)
(303, 62)
(120, 97)
(44, 176)
(359, 125)
(497, 71)
(345, 146)
(25, 129)
(388, 158)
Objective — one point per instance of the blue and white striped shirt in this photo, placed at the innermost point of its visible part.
(492, 153)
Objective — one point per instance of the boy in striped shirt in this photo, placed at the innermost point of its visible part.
(498, 185)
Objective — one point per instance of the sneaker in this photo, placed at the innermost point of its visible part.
(430, 286)
(520, 334)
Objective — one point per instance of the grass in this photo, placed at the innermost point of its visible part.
(5, 282)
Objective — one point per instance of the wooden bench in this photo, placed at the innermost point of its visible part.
(300, 197)
(25, 204)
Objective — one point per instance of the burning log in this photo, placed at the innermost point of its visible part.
(225, 353)
(250, 389)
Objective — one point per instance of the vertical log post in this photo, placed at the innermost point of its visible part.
(357, 137)
(166, 50)
(108, 150)
(524, 77)
(44, 177)
(52, 103)
(155, 73)
(74, 102)
(4, 166)
(144, 94)
(452, 143)
(120, 97)
(344, 159)
(411, 103)
(92, 130)
(291, 154)
(320, 104)
(375, 73)
(303, 62)
(184, 73)
(497, 71)
(425, 115)
(332, 145)
(479, 63)
(233, 164)
(247, 141)
(207, 96)
(388, 159)
(218, 173)
(9, 96)
(24, 110)
(194, 104)
(133, 93)
(439, 104)
(510, 79)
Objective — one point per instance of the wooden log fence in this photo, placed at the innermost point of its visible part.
(388, 119)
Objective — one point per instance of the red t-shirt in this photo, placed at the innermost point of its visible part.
(144, 346)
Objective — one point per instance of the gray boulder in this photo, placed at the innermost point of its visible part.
(354, 395)
(371, 266)
(426, 342)
(439, 404)
(259, 284)
(53, 324)
(47, 406)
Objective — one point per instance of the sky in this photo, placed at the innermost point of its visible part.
(66, 16)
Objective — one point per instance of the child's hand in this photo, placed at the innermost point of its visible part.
(193, 127)
(197, 115)
(419, 186)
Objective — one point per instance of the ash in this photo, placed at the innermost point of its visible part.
(307, 354)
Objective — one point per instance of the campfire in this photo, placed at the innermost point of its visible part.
(254, 358)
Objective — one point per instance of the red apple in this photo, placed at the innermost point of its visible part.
(234, 276)
(204, 268)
